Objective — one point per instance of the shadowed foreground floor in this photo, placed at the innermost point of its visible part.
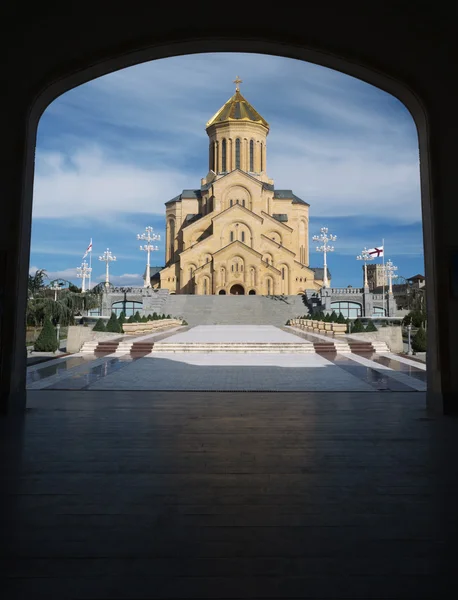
(228, 495)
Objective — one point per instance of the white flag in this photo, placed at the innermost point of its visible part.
(89, 249)
(376, 252)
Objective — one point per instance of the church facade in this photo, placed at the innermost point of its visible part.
(236, 233)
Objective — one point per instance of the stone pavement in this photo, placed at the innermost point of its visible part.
(219, 371)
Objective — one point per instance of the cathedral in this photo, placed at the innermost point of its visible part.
(237, 233)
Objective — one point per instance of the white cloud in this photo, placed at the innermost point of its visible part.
(133, 139)
(90, 185)
(67, 274)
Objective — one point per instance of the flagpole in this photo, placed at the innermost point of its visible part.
(90, 266)
(383, 273)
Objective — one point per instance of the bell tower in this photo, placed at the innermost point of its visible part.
(237, 138)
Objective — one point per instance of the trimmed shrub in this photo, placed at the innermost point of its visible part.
(288, 322)
(155, 317)
(137, 317)
(341, 319)
(184, 322)
(168, 317)
(357, 327)
(122, 318)
(419, 342)
(113, 325)
(149, 318)
(333, 317)
(131, 319)
(143, 319)
(99, 326)
(47, 340)
(370, 327)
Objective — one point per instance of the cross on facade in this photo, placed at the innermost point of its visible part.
(237, 80)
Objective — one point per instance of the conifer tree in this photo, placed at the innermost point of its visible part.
(113, 325)
(99, 326)
(47, 340)
(419, 342)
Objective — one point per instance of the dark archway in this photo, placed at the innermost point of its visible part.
(252, 293)
(237, 290)
(363, 54)
(222, 292)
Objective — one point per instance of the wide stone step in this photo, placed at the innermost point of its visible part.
(252, 347)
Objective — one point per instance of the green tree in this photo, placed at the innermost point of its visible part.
(419, 342)
(113, 325)
(47, 340)
(341, 319)
(417, 318)
(122, 318)
(168, 317)
(131, 319)
(149, 318)
(333, 317)
(357, 327)
(370, 327)
(155, 317)
(137, 317)
(143, 319)
(99, 326)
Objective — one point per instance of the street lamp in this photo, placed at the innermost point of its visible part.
(365, 256)
(390, 270)
(56, 287)
(324, 248)
(148, 237)
(83, 273)
(409, 342)
(107, 257)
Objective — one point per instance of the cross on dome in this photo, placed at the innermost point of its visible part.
(237, 80)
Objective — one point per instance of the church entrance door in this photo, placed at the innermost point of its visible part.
(237, 290)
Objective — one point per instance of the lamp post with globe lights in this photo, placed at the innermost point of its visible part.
(83, 273)
(148, 237)
(107, 257)
(390, 271)
(365, 256)
(56, 288)
(324, 237)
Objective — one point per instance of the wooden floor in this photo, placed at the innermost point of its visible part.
(133, 495)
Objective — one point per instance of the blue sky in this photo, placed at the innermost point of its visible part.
(111, 152)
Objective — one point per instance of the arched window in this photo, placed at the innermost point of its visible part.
(243, 236)
(237, 153)
(205, 286)
(129, 307)
(251, 155)
(232, 268)
(223, 155)
(230, 202)
(283, 272)
(243, 202)
(232, 236)
(268, 287)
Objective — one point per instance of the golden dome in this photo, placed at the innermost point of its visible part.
(237, 109)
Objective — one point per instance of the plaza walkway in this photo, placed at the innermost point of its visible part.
(222, 371)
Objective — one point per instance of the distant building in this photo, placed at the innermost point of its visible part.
(375, 276)
(417, 281)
